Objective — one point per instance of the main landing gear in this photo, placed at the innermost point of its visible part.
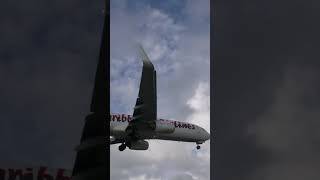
(122, 147)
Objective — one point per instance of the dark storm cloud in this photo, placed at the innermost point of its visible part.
(266, 92)
(48, 55)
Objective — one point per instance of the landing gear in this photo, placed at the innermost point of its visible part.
(198, 145)
(122, 147)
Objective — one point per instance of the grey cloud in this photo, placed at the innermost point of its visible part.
(253, 43)
(288, 129)
(48, 57)
(182, 177)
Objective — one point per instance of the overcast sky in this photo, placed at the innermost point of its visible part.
(266, 90)
(48, 57)
(175, 35)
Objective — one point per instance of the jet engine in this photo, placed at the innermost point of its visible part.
(138, 145)
(164, 127)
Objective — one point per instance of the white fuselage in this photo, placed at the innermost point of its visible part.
(182, 131)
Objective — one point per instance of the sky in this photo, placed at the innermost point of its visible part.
(48, 57)
(266, 90)
(175, 35)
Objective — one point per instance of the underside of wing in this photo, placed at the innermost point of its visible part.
(145, 110)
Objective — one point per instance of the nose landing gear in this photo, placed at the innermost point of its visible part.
(122, 147)
(198, 145)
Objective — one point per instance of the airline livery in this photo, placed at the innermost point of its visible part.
(34, 173)
(132, 131)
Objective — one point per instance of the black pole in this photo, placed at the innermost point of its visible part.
(92, 159)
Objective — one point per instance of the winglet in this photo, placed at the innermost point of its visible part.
(145, 58)
(145, 111)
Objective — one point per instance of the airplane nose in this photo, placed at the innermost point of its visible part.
(206, 135)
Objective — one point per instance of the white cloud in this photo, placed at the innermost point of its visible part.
(143, 177)
(200, 104)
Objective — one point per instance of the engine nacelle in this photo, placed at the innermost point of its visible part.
(112, 139)
(138, 145)
(164, 127)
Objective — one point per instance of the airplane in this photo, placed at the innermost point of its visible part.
(133, 131)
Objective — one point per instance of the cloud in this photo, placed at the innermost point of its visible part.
(287, 130)
(200, 104)
(48, 59)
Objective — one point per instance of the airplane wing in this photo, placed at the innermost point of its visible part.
(92, 155)
(145, 110)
